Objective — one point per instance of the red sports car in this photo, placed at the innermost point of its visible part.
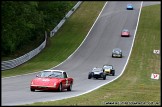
(52, 80)
(125, 33)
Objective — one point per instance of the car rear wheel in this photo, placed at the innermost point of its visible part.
(112, 55)
(104, 77)
(60, 87)
(70, 87)
(113, 73)
(90, 75)
(31, 89)
(121, 56)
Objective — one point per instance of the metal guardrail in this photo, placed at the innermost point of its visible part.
(22, 59)
(52, 33)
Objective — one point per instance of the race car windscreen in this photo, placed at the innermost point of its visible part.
(51, 74)
(107, 67)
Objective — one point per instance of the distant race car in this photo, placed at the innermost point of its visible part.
(117, 53)
(97, 73)
(129, 7)
(125, 33)
(52, 80)
(108, 69)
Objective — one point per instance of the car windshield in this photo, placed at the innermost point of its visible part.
(107, 67)
(125, 30)
(129, 5)
(97, 69)
(54, 74)
(116, 50)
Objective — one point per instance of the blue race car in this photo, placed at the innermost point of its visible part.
(129, 7)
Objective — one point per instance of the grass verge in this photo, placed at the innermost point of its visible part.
(71, 33)
(134, 87)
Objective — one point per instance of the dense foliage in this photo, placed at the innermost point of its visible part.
(24, 22)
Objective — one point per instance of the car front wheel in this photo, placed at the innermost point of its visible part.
(70, 87)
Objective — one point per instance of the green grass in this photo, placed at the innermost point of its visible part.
(135, 85)
(65, 41)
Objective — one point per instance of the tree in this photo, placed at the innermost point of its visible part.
(20, 22)
(24, 22)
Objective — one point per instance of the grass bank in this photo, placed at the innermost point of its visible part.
(135, 85)
(65, 41)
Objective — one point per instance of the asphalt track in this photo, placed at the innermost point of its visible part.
(95, 51)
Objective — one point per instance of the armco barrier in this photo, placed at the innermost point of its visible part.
(20, 60)
(64, 19)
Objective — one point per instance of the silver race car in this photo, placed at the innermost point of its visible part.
(97, 73)
(117, 53)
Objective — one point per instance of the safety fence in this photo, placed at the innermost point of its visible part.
(22, 59)
(52, 33)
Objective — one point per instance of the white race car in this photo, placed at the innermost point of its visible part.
(97, 73)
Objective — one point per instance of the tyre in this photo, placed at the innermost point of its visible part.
(31, 89)
(112, 55)
(89, 76)
(121, 56)
(60, 87)
(113, 72)
(104, 77)
(70, 87)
